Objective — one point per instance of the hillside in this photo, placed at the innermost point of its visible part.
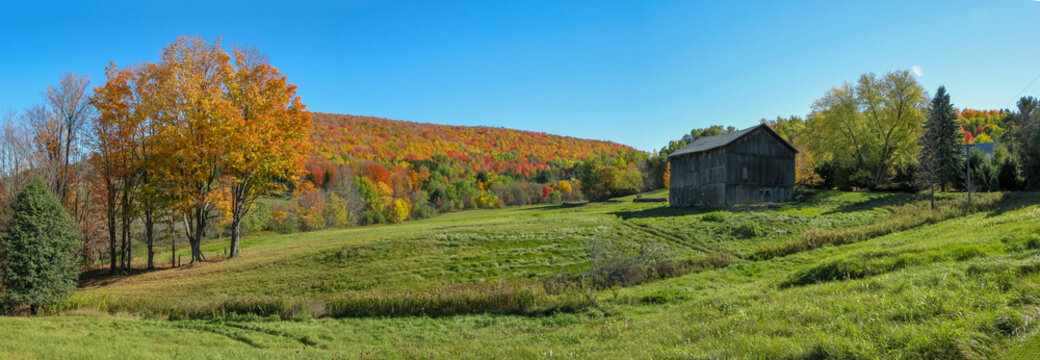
(349, 138)
(832, 275)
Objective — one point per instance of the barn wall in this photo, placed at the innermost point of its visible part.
(755, 168)
(698, 179)
(763, 159)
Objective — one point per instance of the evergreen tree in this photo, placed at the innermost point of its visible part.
(37, 253)
(940, 153)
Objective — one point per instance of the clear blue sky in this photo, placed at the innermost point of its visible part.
(635, 72)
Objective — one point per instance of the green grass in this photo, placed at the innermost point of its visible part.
(946, 284)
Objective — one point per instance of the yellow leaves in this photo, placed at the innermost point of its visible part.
(399, 211)
(564, 187)
(221, 200)
(667, 176)
(805, 170)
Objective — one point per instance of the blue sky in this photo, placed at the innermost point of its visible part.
(635, 72)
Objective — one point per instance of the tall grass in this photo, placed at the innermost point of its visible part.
(902, 217)
(499, 297)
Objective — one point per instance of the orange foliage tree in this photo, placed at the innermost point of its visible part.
(271, 140)
(196, 120)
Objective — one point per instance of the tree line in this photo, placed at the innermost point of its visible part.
(177, 141)
(886, 133)
(206, 143)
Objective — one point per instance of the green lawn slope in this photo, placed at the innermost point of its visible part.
(860, 275)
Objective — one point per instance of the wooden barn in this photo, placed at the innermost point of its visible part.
(750, 165)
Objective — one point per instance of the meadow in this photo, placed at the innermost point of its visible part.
(830, 275)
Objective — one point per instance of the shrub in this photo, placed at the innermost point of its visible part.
(37, 260)
(311, 220)
(336, 213)
(398, 211)
(283, 220)
(255, 220)
(423, 211)
(369, 217)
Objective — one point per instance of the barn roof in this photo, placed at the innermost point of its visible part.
(716, 141)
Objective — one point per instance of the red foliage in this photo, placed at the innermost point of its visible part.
(377, 173)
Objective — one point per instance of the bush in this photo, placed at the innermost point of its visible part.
(311, 220)
(336, 213)
(369, 217)
(255, 220)
(283, 220)
(423, 211)
(37, 252)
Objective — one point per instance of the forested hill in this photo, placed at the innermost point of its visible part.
(350, 138)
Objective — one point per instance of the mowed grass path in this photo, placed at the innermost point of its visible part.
(967, 287)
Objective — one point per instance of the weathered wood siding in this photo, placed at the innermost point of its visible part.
(754, 168)
(698, 179)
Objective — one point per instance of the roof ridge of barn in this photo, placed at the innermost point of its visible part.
(716, 141)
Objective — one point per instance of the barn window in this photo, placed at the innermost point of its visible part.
(745, 172)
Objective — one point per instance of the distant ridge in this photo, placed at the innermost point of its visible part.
(351, 138)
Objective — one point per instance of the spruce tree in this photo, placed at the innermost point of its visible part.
(940, 154)
(38, 251)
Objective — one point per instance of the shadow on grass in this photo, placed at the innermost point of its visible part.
(662, 211)
(102, 276)
(1014, 201)
(565, 205)
(887, 199)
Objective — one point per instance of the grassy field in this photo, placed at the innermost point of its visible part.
(832, 275)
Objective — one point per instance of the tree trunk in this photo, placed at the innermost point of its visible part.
(149, 238)
(236, 235)
(173, 245)
(196, 252)
(112, 245)
(195, 236)
(933, 196)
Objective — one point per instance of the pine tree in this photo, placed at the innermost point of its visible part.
(38, 251)
(940, 153)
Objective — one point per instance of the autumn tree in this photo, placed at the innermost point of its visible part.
(70, 103)
(115, 160)
(153, 199)
(871, 129)
(271, 138)
(794, 129)
(15, 159)
(196, 120)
